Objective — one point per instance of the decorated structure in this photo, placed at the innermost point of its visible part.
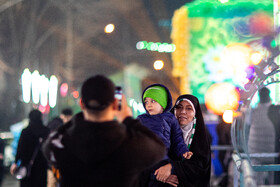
(215, 42)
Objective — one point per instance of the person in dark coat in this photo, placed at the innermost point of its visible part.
(274, 115)
(28, 142)
(55, 123)
(2, 151)
(196, 171)
(157, 102)
(94, 149)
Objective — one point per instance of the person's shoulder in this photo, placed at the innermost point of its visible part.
(168, 116)
(143, 116)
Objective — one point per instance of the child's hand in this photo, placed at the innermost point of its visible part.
(187, 155)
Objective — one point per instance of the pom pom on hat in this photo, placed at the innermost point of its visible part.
(158, 94)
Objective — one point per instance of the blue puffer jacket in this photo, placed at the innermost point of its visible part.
(166, 126)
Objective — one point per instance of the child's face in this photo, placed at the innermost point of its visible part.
(152, 106)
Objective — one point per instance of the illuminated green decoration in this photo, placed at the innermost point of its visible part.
(212, 26)
(152, 46)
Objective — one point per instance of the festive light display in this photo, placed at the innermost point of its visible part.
(217, 30)
(26, 85)
(43, 90)
(152, 46)
(228, 116)
(221, 97)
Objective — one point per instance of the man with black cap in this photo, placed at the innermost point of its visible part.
(93, 149)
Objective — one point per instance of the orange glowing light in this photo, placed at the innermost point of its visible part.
(256, 57)
(109, 28)
(237, 54)
(221, 97)
(75, 94)
(228, 116)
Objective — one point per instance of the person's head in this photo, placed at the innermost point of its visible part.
(264, 95)
(97, 96)
(55, 123)
(66, 114)
(185, 109)
(35, 117)
(155, 99)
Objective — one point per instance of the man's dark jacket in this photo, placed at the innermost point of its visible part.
(102, 154)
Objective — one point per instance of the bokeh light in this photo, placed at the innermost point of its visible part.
(228, 116)
(223, 1)
(237, 54)
(26, 79)
(63, 89)
(256, 57)
(109, 28)
(221, 97)
(261, 24)
(158, 64)
(75, 94)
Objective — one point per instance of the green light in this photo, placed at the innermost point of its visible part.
(152, 46)
(273, 44)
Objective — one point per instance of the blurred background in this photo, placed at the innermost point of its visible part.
(209, 48)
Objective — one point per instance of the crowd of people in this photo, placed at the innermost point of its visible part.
(103, 145)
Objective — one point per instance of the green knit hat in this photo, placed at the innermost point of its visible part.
(158, 94)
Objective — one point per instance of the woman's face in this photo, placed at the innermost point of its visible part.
(184, 113)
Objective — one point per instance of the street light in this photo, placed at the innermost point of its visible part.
(109, 28)
(158, 64)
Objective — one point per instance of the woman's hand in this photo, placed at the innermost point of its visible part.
(172, 180)
(163, 172)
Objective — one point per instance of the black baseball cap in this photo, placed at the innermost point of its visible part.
(98, 92)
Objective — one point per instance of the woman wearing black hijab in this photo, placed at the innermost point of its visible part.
(196, 171)
(28, 142)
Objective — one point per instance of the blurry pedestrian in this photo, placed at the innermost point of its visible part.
(262, 136)
(52, 178)
(27, 145)
(66, 115)
(274, 116)
(93, 149)
(224, 138)
(55, 123)
(2, 149)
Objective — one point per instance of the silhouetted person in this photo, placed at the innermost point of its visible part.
(262, 136)
(28, 142)
(66, 115)
(93, 149)
(55, 123)
(274, 116)
(224, 138)
(2, 151)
